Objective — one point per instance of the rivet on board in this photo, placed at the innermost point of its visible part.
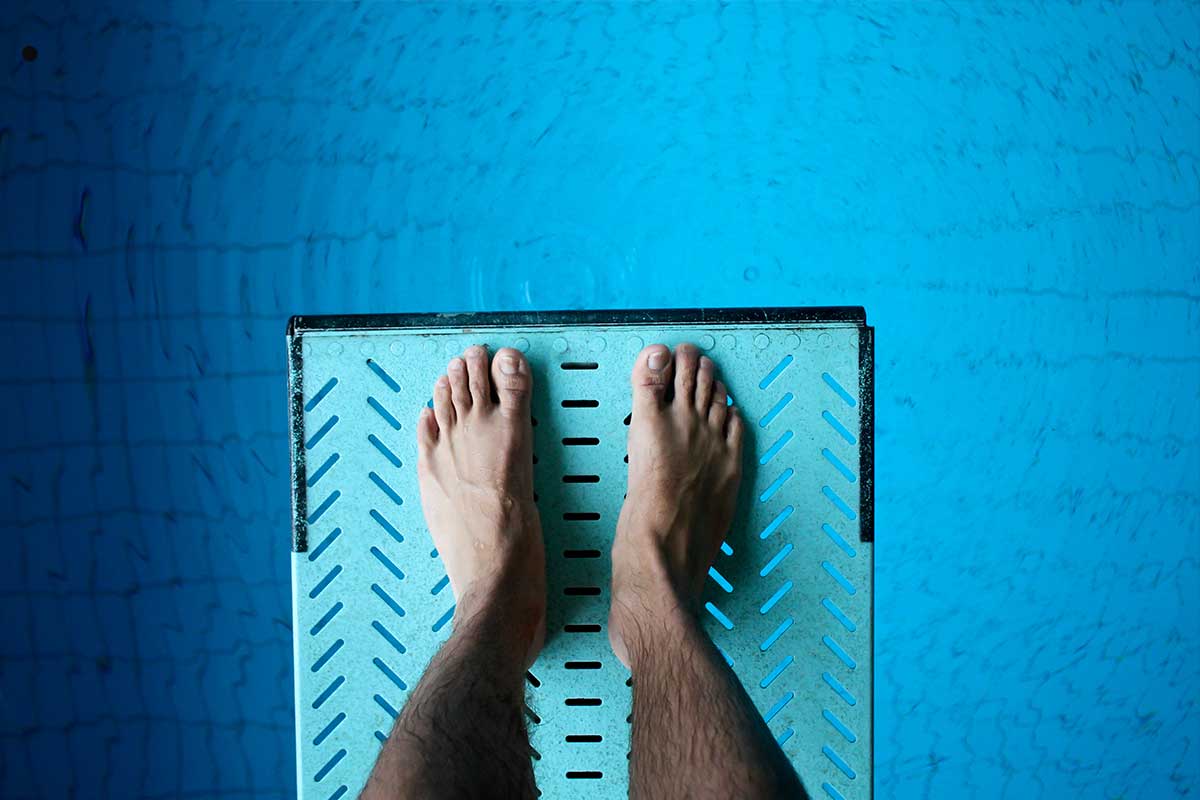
(366, 348)
(598, 344)
(430, 345)
(635, 343)
(307, 349)
(522, 344)
(792, 340)
(761, 341)
(335, 348)
(729, 341)
(397, 348)
(560, 345)
(707, 342)
(853, 338)
(824, 339)
(452, 347)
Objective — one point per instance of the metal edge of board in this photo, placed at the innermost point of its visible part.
(866, 456)
(866, 500)
(497, 319)
(299, 472)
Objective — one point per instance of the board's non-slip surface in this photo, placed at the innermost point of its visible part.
(788, 600)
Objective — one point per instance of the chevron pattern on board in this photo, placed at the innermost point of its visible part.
(788, 601)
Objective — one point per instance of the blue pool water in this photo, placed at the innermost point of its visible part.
(1012, 192)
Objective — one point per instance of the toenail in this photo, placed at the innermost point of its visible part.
(656, 360)
(510, 365)
(456, 364)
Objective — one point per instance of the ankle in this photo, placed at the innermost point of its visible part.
(647, 625)
(504, 607)
(506, 633)
(651, 560)
(502, 509)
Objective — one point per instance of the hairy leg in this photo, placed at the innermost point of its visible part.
(462, 731)
(696, 732)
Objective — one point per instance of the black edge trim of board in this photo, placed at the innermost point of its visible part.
(467, 321)
(866, 434)
(296, 429)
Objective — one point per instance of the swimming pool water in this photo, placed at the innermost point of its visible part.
(1011, 191)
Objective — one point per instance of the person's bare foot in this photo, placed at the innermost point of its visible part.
(685, 457)
(475, 469)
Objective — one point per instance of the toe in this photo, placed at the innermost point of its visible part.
(735, 429)
(513, 381)
(443, 407)
(427, 430)
(651, 376)
(687, 364)
(460, 393)
(478, 379)
(705, 376)
(719, 408)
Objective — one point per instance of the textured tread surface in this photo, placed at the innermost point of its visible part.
(788, 601)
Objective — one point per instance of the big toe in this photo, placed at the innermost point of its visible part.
(513, 381)
(652, 375)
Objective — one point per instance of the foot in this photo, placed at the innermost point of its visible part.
(685, 455)
(475, 469)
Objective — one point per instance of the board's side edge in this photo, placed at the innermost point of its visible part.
(866, 434)
(297, 685)
(299, 537)
(871, 683)
(296, 434)
(866, 391)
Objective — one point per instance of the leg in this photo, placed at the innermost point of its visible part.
(696, 733)
(462, 731)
